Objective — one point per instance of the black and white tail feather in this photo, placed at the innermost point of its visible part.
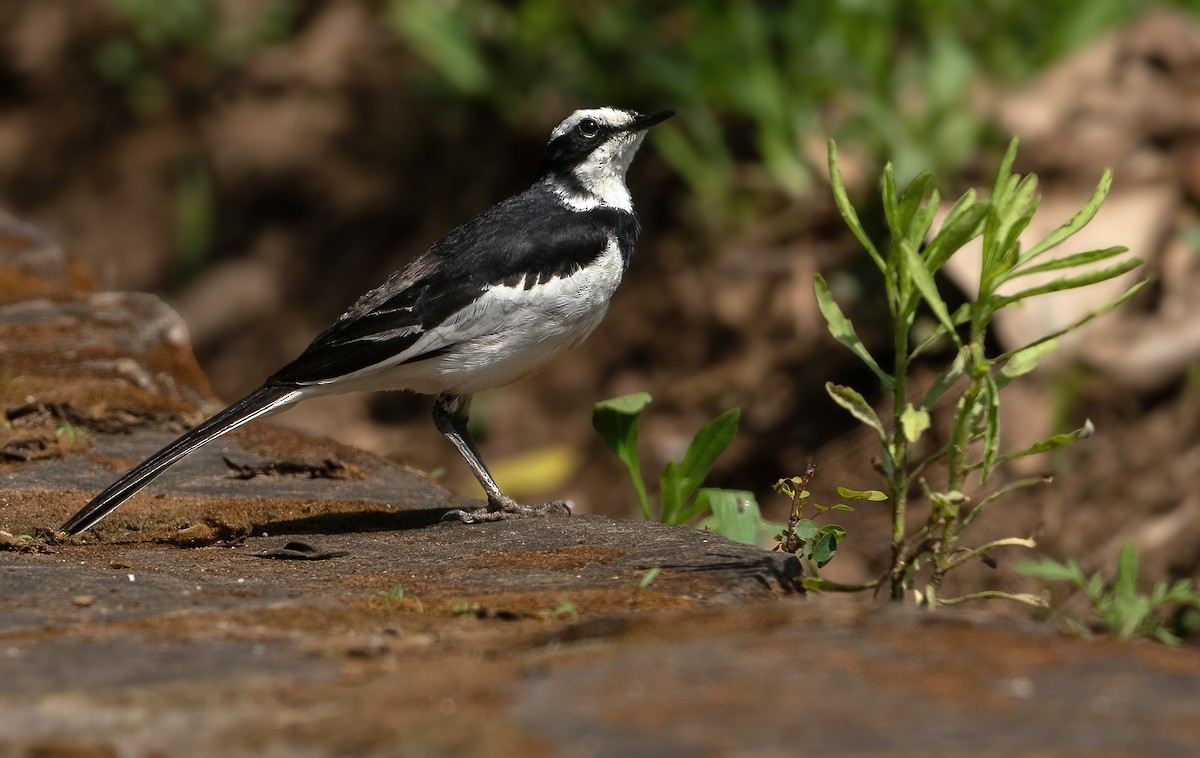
(493, 301)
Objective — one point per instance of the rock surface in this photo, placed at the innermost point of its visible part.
(278, 594)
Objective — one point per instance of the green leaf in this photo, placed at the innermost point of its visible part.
(1023, 361)
(991, 429)
(1077, 222)
(917, 229)
(1070, 261)
(1013, 486)
(848, 494)
(806, 529)
(852, 401)
(1005, 171)
(912, 223)
(891, 203)
(923, 280)
(436, 35)
(735, 514)
(617, 422)
(1125, 585)
(680, 481)
(648, 578)
(946, 379)
(961, 315)
(964, 223)
(1073, 282)
(1129, 293)
(626, 405)
(1052, 570)
(1015, 215)
(824, 548)
(843, 331)
(837, 530)
(1053, 443)
(1166, 637)
(1182, 591)
(674, 493)
(914, 422)
(847, 210)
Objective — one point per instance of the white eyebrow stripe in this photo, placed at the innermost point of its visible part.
(606, 116)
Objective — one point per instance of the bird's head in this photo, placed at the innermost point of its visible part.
(590, 152)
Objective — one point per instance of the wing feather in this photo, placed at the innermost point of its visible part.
(528, 239)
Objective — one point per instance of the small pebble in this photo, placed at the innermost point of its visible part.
(83, 601)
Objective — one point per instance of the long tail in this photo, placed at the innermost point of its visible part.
(258, 403)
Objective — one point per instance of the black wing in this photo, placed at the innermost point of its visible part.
(530, 238)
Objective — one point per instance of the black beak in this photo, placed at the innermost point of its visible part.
(642, 121)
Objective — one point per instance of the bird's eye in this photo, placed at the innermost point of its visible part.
(588, 129)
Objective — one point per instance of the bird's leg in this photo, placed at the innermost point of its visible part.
(450, 416)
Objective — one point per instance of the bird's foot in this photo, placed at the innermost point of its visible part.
(500, 510)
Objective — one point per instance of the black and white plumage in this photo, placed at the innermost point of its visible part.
(492, 302)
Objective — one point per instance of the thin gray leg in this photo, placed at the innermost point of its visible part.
(450, 414)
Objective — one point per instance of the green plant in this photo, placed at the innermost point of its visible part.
(644, 583)
(813, 544)
(648, 578)
(396, 596)
(136, 60)
(972, 379)
(33, 535)
(67, 434)
(897, 78)
(1119, 606)
(564, 610)
(733, 513)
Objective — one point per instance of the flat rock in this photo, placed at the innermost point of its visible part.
(280, 594)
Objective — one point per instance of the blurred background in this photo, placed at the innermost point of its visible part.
(260, 163)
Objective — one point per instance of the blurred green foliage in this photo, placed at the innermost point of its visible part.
(753, 80)
(161, 30)
(759, 86)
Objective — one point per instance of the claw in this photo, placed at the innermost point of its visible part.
(507, 510)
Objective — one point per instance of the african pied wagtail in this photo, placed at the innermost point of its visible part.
(492, 302)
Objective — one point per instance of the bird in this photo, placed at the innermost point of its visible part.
(493, 301)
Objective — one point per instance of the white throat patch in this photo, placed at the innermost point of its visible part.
(602, 174)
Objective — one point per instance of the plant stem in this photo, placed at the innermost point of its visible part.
(897, 471)
(635, 475)
(826, 585)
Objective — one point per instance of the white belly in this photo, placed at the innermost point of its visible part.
(507, 334)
